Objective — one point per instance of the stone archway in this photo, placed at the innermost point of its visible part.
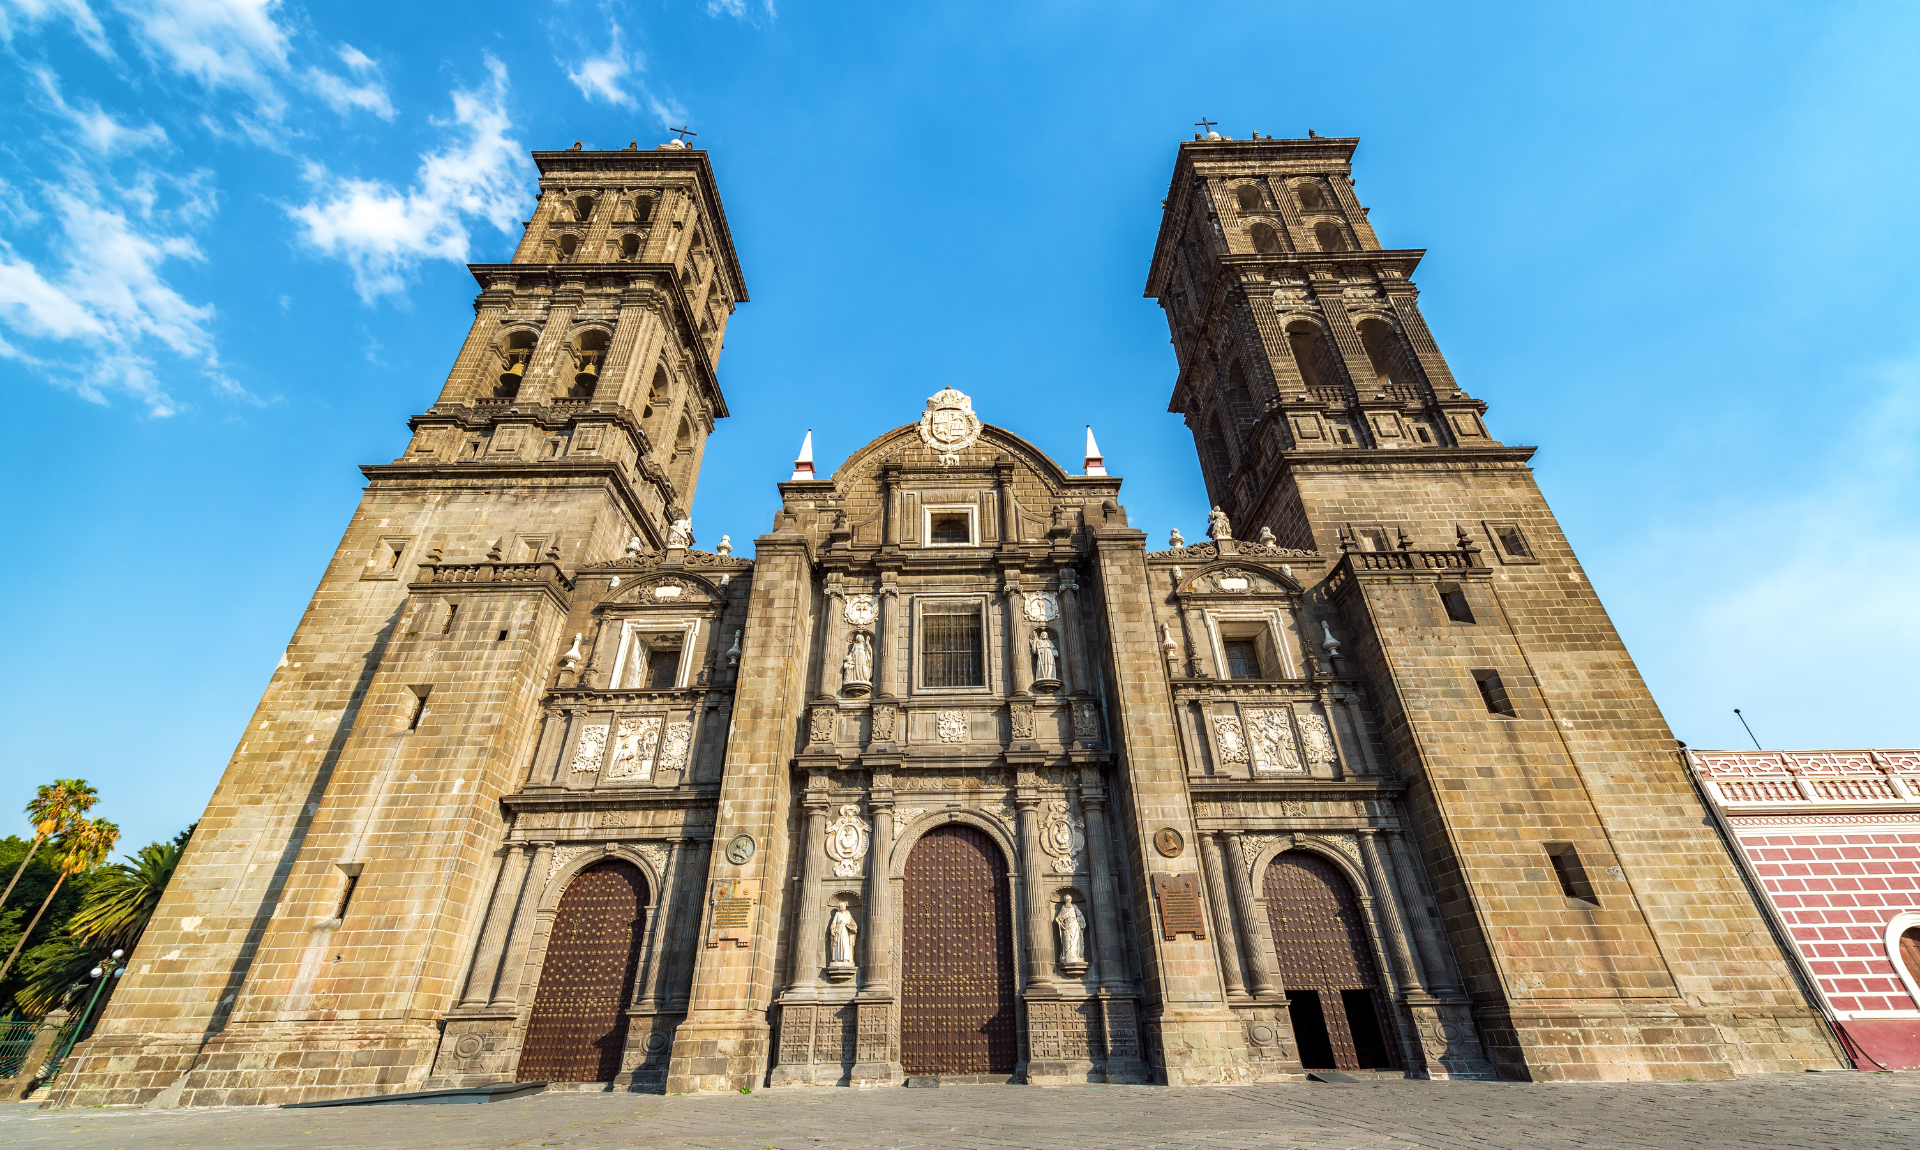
(957, 1005)
(1326, 964)
(578, 1029)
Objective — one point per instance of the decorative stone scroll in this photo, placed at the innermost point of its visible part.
(673, 752)
(561, 857)
(1063, 835)
(1041, 607)
(1318, 742)
(633, 748)
(821, 722)
(861, 610)
(952, 726)
(847, 838)
(591, 748)
(904, 817)
(1231, 739)
(883, 720)
(1086, 719)
(1271, 731)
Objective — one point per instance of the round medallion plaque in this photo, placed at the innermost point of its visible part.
(1168, 842)
(740, 849)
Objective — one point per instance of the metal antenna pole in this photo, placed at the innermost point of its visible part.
(1743, 722)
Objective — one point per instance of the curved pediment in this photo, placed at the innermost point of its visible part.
(1234, 577)
(671, 588)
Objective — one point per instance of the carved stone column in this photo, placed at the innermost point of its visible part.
(1078, 681)
(693, 861)
(1259, 965)
(1033, 869)
(1225, 930)
(808, 941)
(1199, 644)
(475, 367)
(879, 973)
(1386, 895)
(1106, 910)
(1009, 514)
(1019, 632)
(1442, 976)
(887, 645)
(486, 956)
(833, 641)
(663, 909)
(1356, 722)
(513, 963)
(889, 506)
(550, 356)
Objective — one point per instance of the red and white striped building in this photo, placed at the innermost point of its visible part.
(1832, 838)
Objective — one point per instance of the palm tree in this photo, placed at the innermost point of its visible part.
(53, 809)
(86, 845)
(118, 905)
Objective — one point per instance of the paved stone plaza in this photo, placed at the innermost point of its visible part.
(1775, 1111)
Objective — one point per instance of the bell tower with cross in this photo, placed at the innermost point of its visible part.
(1529, 746)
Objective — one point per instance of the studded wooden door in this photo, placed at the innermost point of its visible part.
(1321, 943)
(579, 1024)
(956, 957)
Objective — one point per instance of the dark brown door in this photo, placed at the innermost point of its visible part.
(956, 959)
(1325, 963)
(579, 1024)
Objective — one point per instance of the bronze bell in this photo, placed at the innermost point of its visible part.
(588, 373)
(511, 376)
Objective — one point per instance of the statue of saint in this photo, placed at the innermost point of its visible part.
(841, 931)
(1175, 539)
(1266, 537)
(1217, 526)
(857, 667)
(680, 534)
(1045, 656)
(1072, 926)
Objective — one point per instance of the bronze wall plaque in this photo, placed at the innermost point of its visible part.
(1179, 898)
(733, 903)
(1168, 842)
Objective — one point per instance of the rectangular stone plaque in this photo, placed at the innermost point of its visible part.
(1179, 898)
(733, 902)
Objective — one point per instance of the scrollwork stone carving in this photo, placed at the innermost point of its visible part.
(1231, 738)
(1318, 742)
(952, 726)
(1063, 835)
(847, 838)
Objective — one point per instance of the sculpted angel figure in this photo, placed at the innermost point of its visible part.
(1045, 656)
(680, 534)
(1217, 526)
(1072, 926)
(841, 931)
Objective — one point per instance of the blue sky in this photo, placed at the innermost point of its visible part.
(1670, 244)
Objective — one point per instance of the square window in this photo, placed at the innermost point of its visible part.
(950, 527)
(1493, 693)
(951, 650)
(663, 668)
(1510, 543)
(1455, 600)
(1243, 658)
(384, 563)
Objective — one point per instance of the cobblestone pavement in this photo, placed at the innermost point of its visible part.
(1784, 1111)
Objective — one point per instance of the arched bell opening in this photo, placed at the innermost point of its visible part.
(578, 1029)
(1334, 994)
(589, 356)
(515, 354)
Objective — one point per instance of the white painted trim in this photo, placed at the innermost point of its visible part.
(972, 512)
(1896, 926)
(1267, 617)
(629, 631)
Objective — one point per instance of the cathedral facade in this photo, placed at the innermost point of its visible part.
(959, 776)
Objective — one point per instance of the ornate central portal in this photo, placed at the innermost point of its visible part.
(578, 1030)
(957, 1001)
(1333, 993)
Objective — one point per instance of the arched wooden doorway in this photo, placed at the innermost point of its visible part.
(956, 957)
(579, 1024)
(1333, 991)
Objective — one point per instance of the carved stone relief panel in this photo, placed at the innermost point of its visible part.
(1271, 732)
(591, 748)
(847, 838)
(952, 726)
(1062, 835)
(1318, 742)
(673, 750)
(633, 744)
(1230, 738)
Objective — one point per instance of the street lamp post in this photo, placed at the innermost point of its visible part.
(99, 985)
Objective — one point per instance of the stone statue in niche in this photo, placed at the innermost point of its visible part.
(856, 670)
(1046, 659)
(1217, 526)
(1072, 926)
(841, 933)
(680, 534)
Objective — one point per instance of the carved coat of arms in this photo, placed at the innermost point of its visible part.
(862, 610)
(949, 426)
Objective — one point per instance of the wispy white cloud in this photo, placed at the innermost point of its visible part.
(738, 9)
(101, 289)
(34, 12)
(366, 91)
(383, 232)
(602, 76)
(101, 132)
(222, 43)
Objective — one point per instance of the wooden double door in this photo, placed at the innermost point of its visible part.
(957, 998)
(1326, 963)
(578, 1030)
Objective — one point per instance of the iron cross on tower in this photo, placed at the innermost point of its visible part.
(684, 133)
(1205, 125)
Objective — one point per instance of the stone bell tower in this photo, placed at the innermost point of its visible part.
(323, 918)
(1602, 930)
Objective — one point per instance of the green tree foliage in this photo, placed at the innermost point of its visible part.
(36, 882)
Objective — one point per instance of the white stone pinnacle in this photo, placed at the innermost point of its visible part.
(803, 466)
(1095, 464)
